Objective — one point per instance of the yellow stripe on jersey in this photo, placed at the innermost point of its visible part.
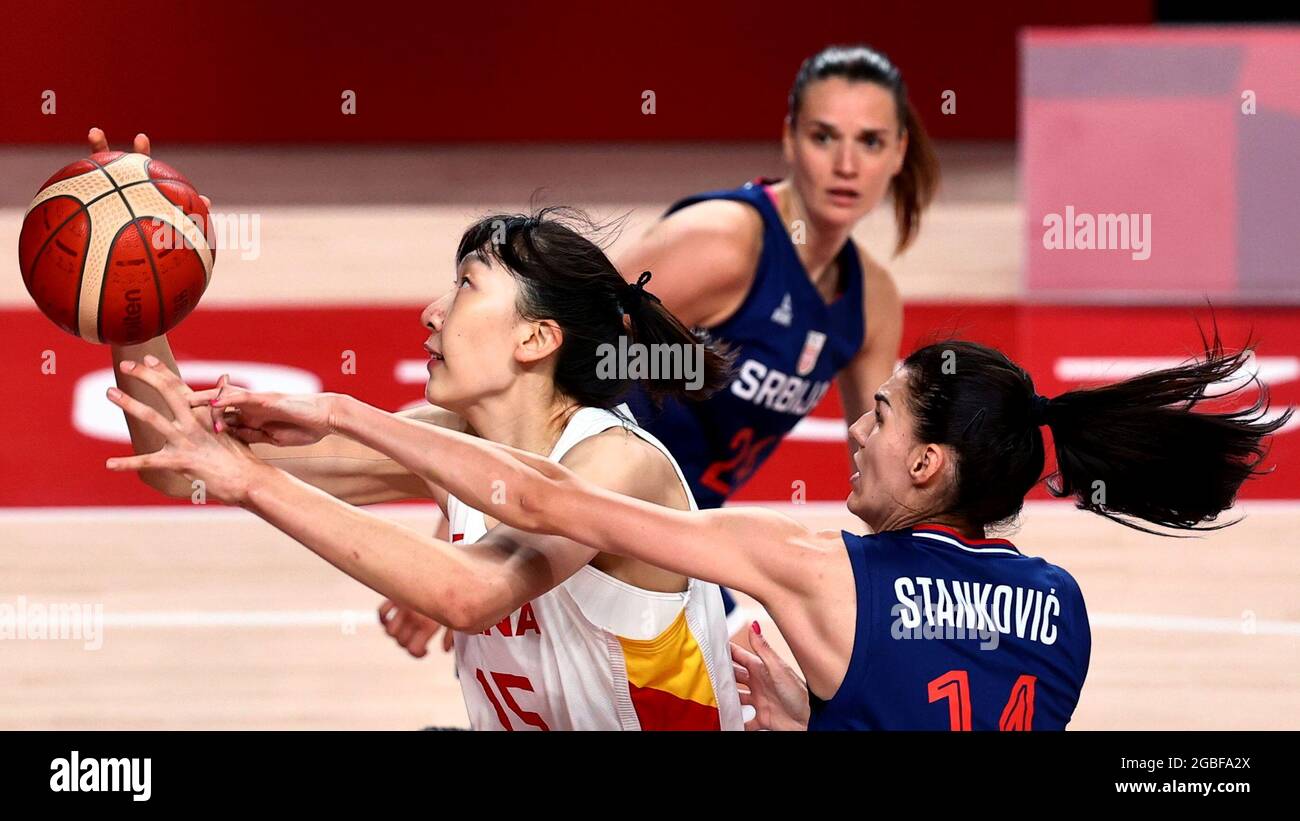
(672, 663)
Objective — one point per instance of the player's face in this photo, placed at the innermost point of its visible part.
(881, 485)
(844, 150)
(474, 331)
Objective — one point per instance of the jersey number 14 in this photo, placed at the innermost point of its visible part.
(954, 685)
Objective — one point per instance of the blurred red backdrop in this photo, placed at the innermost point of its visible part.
(244, 71)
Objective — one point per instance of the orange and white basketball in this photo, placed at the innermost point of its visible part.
(113, 248)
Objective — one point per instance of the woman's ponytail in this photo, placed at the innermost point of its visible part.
(1142, 448)
(705, 364)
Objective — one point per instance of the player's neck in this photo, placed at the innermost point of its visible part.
(820, 244)
(523, 416)
(903, 519)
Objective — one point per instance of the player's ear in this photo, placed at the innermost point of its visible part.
(541, 338)
(926, 463)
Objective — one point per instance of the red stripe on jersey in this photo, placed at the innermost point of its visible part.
(948, 531)
(658, 710)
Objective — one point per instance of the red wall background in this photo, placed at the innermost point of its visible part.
(47, 461)
(241, 71)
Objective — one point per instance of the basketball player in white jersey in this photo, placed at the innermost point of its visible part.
(549, 634)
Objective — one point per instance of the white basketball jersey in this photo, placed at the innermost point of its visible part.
(596, 653)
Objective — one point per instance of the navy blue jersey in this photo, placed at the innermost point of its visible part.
(789, 344)
(958, 634)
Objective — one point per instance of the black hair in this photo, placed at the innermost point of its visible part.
(914, 185)
(565, 277)
(1139, 449)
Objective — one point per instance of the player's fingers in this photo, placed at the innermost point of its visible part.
(200, 398)
(387, 610)
(235, 395)
(229, 419)
(404, 635)
(141, 144)
(395, 623)
(250, 436)
(143, 461)
(98, 140)
(761, 647)
(169, 386)
(419, 643)
(752, 726)
(139, 410)
(405, 626)
(205, 396)
(742, 674)
(448, 639)
(207, 202)
(745, 658)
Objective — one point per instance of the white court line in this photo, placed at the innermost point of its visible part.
(1190, 624)
(182, 619)
(248, 619)
(146, 619)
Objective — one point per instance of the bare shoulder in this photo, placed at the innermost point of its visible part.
(719, 218)
(725, 233)
(703, 258)
(619, 460)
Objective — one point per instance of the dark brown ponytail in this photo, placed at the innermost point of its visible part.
(651, 324)
(1140, 449)
(914, 185)
(1137, 450)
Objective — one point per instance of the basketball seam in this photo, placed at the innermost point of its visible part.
(85, 207)
(144, 243)
(207, 269)
(99, 312)
(55, 231)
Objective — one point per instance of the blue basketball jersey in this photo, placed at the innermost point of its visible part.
(958, 634)
(789, 344)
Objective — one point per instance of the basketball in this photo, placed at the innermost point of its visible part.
(113, 248)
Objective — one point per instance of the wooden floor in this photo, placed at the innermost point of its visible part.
(212, 619)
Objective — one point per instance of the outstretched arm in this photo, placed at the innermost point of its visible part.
(802, 578)
(467, 588)
(758, 551)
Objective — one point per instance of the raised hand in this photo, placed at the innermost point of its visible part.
(274, 418)
(224, 464)
(99, 142)
(769, 685)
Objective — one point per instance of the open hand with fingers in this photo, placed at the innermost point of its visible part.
(222, 462)
(769, 685)
(411, 629)
(275, 418)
